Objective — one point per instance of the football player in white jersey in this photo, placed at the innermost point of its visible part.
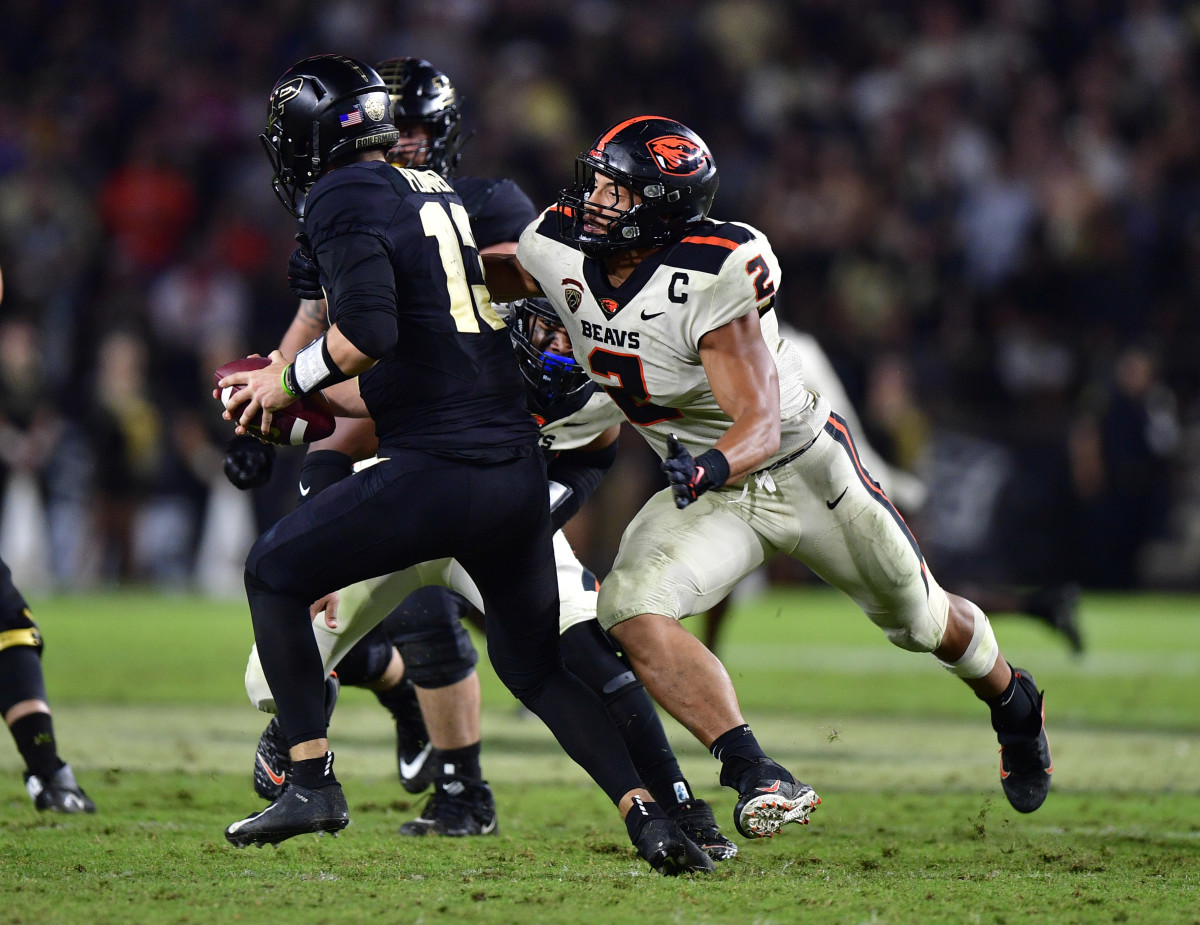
(673, 315)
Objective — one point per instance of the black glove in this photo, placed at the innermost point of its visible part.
(690, 478)
(302, 272)
(248, 462)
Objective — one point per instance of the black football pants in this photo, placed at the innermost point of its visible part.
(409, 508)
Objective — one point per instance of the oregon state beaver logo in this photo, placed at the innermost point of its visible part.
(677, 155)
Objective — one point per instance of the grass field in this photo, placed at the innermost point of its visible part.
(149, 709)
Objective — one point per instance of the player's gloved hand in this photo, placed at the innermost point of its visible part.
(691, 477)
(248, 462)
(302, 272)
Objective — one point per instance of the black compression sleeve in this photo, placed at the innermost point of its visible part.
(581, 472)
(362, 290)
(321, 469)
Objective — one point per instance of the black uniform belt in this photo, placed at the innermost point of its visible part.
(791, 456)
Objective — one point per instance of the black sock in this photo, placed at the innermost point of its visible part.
(314, 773)
(641, 813)
(34, 735)
(458, 762)
(1014, 713)
(738, 751)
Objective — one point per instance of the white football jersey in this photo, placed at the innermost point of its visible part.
(641, 340)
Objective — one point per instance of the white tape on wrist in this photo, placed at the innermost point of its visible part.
(310, 367)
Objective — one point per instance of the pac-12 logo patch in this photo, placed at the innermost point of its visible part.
(572, 294)
(677, 155)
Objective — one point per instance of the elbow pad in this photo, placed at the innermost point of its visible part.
(372, 330)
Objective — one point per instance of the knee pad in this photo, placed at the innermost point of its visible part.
(367, 660)
(916, 626)
(436, 647)
(982, 651)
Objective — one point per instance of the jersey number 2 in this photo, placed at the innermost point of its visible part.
(631, 395)
(468, 302)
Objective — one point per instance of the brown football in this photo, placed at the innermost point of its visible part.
(306, 420)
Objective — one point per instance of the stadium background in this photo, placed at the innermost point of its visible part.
(985, 211)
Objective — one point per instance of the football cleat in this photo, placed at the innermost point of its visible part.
(272, 758)
(696, 821)
(1025, 762)
(769, 802)
(662, 844)
(457, 807)
(413, 748)
(297, 811)
(58, 793)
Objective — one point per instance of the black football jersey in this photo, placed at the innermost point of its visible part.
(399, 241)
(499, 209)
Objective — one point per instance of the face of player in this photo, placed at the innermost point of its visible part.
(413, 146)
(607, 200)
(549, 338)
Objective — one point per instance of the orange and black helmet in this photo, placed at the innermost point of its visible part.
(667, 164)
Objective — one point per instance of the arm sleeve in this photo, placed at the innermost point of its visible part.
(579, 473)
(361, 286)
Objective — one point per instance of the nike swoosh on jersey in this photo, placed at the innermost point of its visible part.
(646, 317)
(304, 490)
(409, 770)
(275, 778)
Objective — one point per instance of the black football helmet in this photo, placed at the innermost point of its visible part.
(322, 109)
(551, 377)
(667, 164)
(421, 93)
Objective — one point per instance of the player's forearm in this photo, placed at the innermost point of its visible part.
(507, 279)
(310, 322)
(349, 359)
(749, 443)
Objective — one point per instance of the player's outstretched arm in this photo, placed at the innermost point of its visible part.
(745, 383)
(507, 279)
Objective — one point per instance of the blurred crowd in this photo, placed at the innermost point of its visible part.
(987, 212)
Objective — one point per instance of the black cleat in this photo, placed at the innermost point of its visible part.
(1025, 762)
(272, 758)
(1058, 606)
(297, 811)
(58, 793)
(769, 799)
(662, 844)
(413, 748)
(458, 806)
(696, 821)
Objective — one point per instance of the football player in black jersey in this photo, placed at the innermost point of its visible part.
(23, 703)
(426, 628)
(459, 474)
(428, 118)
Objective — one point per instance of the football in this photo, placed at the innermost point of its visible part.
(307, 419)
